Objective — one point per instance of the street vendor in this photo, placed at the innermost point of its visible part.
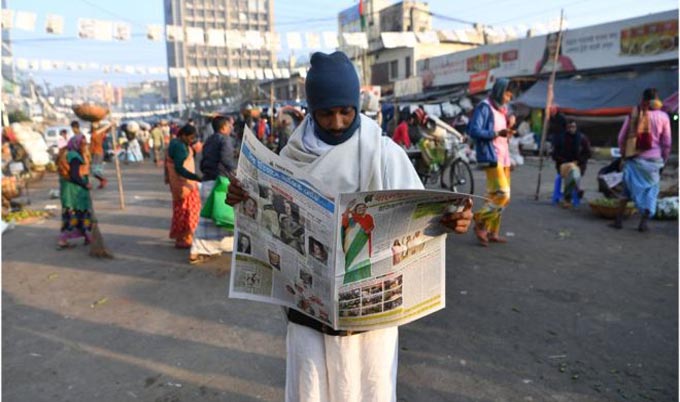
(347, 152)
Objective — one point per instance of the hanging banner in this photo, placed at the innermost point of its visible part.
(86, 27)
(273, 41)
(154, 32)
(174, 33)
(330, 39)
(294, 40)
(195, 36)
(216, 37)
(254, 40)
(313, 40)
(122, 31)
(103, 30)
(54, 24)
(25, 21)
(7, 19)
(234, 39)
(356, 39)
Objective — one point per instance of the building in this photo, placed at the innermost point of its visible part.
(287, 89)
(146, 95)
(221, 15)
(8, 76)
(389, 59)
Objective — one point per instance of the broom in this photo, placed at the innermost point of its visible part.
(97, 247)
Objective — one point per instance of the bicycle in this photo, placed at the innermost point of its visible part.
(447, 162)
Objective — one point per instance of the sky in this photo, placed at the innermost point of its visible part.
(289, 16)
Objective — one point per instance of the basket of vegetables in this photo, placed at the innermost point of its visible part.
(90, 112)
(608, 208)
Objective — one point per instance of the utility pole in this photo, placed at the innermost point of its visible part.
(548, 105)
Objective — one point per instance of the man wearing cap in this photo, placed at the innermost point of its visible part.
(347, 151)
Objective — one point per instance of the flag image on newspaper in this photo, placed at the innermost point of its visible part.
(355, 261)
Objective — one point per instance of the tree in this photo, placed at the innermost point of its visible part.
(17, 116)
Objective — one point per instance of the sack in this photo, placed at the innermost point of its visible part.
(63, 167)
(216, 208)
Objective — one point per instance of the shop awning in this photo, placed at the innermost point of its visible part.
(609, 95)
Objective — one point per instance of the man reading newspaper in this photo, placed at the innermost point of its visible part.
(347, 152)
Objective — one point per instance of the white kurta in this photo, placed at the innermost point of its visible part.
(363, 367)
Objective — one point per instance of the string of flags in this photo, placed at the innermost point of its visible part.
(104, 30)
(28, 65)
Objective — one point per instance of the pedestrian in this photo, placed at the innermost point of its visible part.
(571, 151)
(489, 128)
(346, 151)
(97, 137)
(62, 140)
(217, 165)
(158, 143)
(400, 135)
(180, 175)
(74, 190)
(285, 130)
(645, 141)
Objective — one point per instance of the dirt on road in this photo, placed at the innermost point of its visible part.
(568, 310)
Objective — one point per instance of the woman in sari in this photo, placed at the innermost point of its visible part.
(180, 175)
(76, 208)
(645, 141)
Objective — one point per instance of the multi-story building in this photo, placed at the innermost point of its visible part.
(7, 63)
(227, 15)
(385, 63)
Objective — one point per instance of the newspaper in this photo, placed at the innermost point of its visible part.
(356, 261)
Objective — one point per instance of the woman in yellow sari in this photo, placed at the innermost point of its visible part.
(180, 175)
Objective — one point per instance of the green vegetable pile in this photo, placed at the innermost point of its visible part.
(18, 216)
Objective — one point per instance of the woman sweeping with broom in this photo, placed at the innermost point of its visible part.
(76, 205)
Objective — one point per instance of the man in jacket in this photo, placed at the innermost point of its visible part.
(571, 151)
(217, 161)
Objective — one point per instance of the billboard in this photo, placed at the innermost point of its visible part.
(647, 39)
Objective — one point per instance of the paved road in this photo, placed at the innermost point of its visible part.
(569, 310)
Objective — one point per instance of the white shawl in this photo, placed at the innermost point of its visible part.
(367, 161)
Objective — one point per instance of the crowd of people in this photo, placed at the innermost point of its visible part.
(323, 363)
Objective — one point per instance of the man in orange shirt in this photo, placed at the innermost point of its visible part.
(97, 137)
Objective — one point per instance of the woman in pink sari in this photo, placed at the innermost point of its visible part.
(180, 175)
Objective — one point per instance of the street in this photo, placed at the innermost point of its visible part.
(568, 310)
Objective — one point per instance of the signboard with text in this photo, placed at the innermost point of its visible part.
(647, 39)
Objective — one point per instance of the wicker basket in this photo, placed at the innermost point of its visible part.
(90, 112)
(608, 212)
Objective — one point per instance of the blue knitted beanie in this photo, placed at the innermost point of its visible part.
(332, 81)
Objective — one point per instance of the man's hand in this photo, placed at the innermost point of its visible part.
(459, 222)
(235, 192)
